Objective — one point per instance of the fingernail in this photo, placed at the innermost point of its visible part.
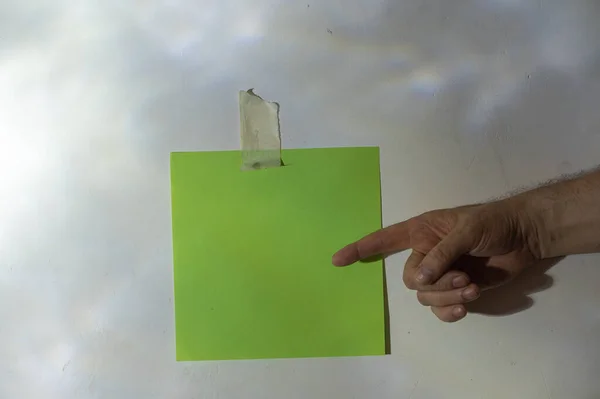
(424, 276)
(460, 281)
(470, 293)
(458, 311)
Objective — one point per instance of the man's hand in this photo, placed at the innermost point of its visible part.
(456, 253)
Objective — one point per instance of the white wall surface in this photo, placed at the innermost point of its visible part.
(467, 99)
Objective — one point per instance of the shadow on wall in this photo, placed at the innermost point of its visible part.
(513, 297)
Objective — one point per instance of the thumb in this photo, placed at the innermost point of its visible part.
(442, 256)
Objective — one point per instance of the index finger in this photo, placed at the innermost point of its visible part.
(391, 239)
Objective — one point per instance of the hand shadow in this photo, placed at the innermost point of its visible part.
(513, 297)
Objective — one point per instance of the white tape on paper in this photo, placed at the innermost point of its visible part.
(260, 135)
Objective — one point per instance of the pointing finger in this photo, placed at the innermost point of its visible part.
(388, 240)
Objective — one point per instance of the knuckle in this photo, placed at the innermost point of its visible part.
(436, 257)
(445, 283)
(447, 318)
(363, 249)
(422, 298)
(443, 315)
(438, 313)
(440, 254)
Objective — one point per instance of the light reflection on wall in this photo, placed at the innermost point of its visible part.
(91, 104)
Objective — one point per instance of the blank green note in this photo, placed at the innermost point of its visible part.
(252, 255)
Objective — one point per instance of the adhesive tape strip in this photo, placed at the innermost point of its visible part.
(260, 135)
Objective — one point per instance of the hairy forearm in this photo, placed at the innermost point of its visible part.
(564, 216)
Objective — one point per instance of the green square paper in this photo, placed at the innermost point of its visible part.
(252, 255)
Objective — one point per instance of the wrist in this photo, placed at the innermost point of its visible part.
(537, 223)
(562, 218)
(530, 227)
